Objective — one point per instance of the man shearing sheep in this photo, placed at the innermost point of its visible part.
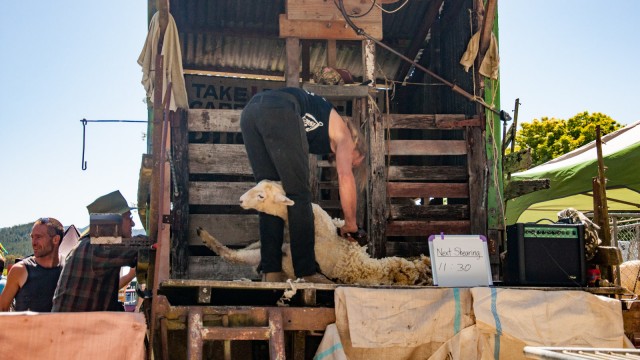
(280, 128)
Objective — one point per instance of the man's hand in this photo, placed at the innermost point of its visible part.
(359, 236)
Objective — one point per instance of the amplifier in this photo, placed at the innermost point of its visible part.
(545, 255)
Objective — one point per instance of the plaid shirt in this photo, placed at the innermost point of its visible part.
(89, 279)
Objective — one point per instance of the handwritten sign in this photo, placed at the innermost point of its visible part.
(460, 260)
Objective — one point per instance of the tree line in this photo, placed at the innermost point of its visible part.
(549, 138)
(17, 240)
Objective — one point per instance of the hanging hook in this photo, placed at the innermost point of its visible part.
(84, 128)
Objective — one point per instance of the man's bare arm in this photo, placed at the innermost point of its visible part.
(16, 278)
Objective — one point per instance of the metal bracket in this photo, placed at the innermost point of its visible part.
(167, 219)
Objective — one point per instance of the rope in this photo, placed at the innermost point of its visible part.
(288, 294)
(390, 11)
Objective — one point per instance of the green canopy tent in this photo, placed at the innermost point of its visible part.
(571, 177)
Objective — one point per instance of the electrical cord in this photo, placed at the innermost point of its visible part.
(356, 16)
(359, 31)
(390, 11)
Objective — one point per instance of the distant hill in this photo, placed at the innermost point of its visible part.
(17, 239)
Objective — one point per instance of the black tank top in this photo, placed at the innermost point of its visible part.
(37, 292)
(314, 111)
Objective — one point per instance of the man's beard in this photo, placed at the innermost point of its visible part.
(43, 252)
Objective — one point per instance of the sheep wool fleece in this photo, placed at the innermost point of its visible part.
(280, 128)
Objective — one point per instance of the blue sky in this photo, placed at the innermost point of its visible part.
(562, 57)
(67, 60)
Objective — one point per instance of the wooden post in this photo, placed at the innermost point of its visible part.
(477, 165)
(292, 67)
(600, 210)
(487, 28)
(156, 144)
(332, 53)
(306, 61)
(377, 184)
(595, 185)
(603, 220)
(476, 150)
(180, 221)
(156, 135)
(155, 188)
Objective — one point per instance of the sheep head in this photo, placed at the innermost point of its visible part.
(268, 197)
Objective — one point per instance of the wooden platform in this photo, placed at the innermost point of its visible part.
(214, 318)
(233, 293)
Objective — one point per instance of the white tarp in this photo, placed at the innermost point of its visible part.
(467, 323)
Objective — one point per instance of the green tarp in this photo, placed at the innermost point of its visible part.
(571, 179)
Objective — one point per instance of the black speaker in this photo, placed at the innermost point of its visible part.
(545, 255)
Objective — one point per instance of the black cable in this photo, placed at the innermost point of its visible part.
(373, 4)
(347, 18)
(453, 86)
(549, 220)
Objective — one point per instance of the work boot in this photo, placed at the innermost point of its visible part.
(317, 278)
(273, 277)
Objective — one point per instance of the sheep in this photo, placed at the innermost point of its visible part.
(339, 259)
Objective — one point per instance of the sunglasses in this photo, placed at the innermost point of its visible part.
(52, 223)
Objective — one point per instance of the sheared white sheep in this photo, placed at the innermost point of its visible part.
(339, 259)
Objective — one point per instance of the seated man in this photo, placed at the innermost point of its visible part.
(32, 281)
(90, 278)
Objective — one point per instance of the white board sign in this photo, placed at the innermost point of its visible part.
(460, 260)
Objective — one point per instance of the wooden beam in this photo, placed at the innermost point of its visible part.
(603, 214)
(426, 228)
(477, 162)
(226, 71)
(376, 193)
(517, 161)
(214, 120)
(337, 92)
(523, 187)
(427, 147)
(229, 159)
(326, 29)
(214, 267)
(180, 225)
(161, 261)
(144, 183)
(292, 67)
(430, 121)
(440, 173)
(217, 193)
(430, 212)
(487, 27)
(427, 190)
(324, 10)
(306, 60)
(332, 53)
